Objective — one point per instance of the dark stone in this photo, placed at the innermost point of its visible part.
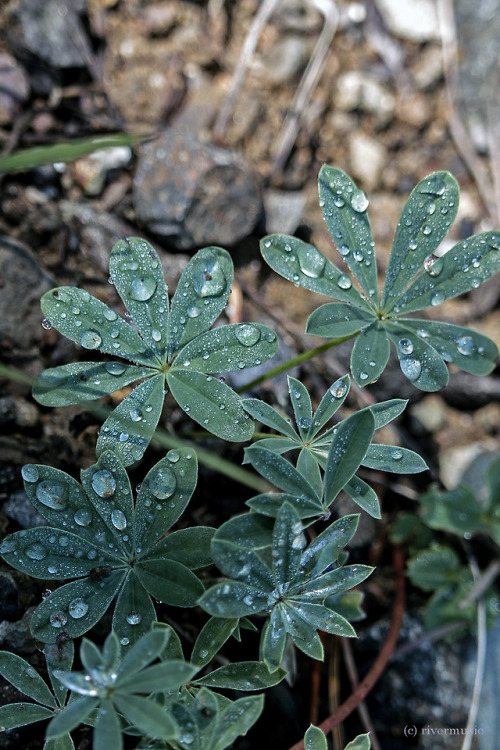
(19, 509)
(194, 193)
(14, 88)
(9, 600)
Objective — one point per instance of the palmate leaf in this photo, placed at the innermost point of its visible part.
(165, 344)
(415, 279)
(111, 546)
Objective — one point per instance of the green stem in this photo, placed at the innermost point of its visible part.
(309, 354)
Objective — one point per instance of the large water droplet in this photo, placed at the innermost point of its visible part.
(209, 279)
(433, 265)
(134, 618)
(405, 346)
(173, 456)
(247, 334)
(119, 519)
(104, 483)
(465, 345)
(57, 619)
(411, 368)
(311, 262)
(344, 282)
(46, 324)
(78, 608)
(437, 298)
(36, 552)
(52, 495)
(432, 185)
(83, 517)
(10, 544)
(338, 389)
(142, 288)
(29, 473)
(115, 368)
(110, 314)
(396, 454)
(163, 483)
(359, 201)
(90, 339)
(135, 415)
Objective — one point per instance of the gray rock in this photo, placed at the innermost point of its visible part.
(193, 193)
(410, 19)
(283, 210)
(19, 509)
(23, 283)
(368, 157)
(14, 88)
(358, 90)
(16, 636)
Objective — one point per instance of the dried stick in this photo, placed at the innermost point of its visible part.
(353, 677)
(382, 659)
(481, 660)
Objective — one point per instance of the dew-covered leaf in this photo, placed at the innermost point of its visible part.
(147, 716)
(270, 503)
(138, 277)
(364, 496)
(20, 714)
(249, 675)
(211, 638)
(433, 567)
(370, 354)
(288, 543)
(84, 381)
(59, 656)
(385, 411)
(334, 319)
(211, 403)
(419, 361)
(237, 719)
(344, 210)
(164, 495)
(264, 413)
(169, 581)
(302, 632)
(334, 581)
(394, 459)
(130, 426)
(233, 599)
(134, 611)
(457, 511)
(108, 486)
(315, 739)
(142, 653)
(279, 472)
(107, 728)
(467, 349)
(169, 675)
(361, 742)
(325, 619)
(305, 266)
(425, 221)
(302, 406)
(273, 640)
(308, 466)
(347, 604)
(75, 607)
(47, 553)
(25, 678)
(240, 563)
(200, 297)
(464, 267)
(325, 549)
(331, 401)
(71, 717)
(95, 326)
(190, 547)
(248, 531)
(229, 348)
(349, 444)
(64, 742)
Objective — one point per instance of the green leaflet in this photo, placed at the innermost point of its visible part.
(370, 354)
(249, 675)
(26, 679)
(393, 459)
(211, 638)
(347, 450)
(335, 319)
(315, 739)
(433, 567)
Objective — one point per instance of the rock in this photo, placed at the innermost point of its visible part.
(23, 283)
(9, 600)
(428, 415)
(19, 509)
(428, 69)
(194, 194)
(367, 158)
(91, 171)
(52, 31)
(284, 60)
(415, 20)
(17, 413)
(283, 210)
(16, 636)
(358, 90)
(467, 464)
(14, 88)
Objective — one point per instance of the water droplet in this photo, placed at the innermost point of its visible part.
(405, 346)
(304, 423)
(465, 345)
(163, 483)
(52, 495)
(344, 250)
(396, 454)
(363, 375)
(359, 201)
(432, 185)
(433, 265)
(248, 600)
(134, 618)
(110, 314)
(209, 279)
(90, 339)
(173, 456)
(29, 473)
(124, 641)
(36, 552)
(104, 483)
(311, 262)
(58, 619)
(437, 298)
(338, 389)
(344, 282)
(427, 230)
(46, 324)
(9, 545)
(135, 415)
(114, 333)
(339, 201)
(413, 244)
(156, 334)
(411, 368)
(124, 436)
(142, 288)
(358, 255)
(83, 517)
(119, 519)
(247, 334)
(78, 608)
(193, 311)
(115, 368)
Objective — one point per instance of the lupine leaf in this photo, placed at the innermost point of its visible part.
(370, 354)
(302, 632)
(249, 531)
(325, 549)
(335, 319)
(361, 742)
(315, 739)
(394, 459)
(25, 678)
(364, 496)
(419, 361)
(302, 406)
(134, 611)
(264, 413)
(273, 640)
(190, 547)
(279, 471)
(211, 638)
(239, 563)
(309, 468)
(107, 730)
(288, 543)
(169, 675)
(237, 719)
(59, 656)
(71, 716)
(348, 449)
(249, 675)
(233, 599)
(147, 716)
(331, 401)
(169, 581)
(20, 714)
(142, 653)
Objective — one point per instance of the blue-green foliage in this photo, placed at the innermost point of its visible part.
(171, 347)
(416, 278)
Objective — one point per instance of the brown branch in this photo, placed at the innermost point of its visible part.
(382, 659)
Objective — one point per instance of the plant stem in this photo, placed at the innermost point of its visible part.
(309, 354)
(480, 664)
(380, 662)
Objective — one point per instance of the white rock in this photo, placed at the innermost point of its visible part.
(357, 90)
(410, 19)
(367, 157)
